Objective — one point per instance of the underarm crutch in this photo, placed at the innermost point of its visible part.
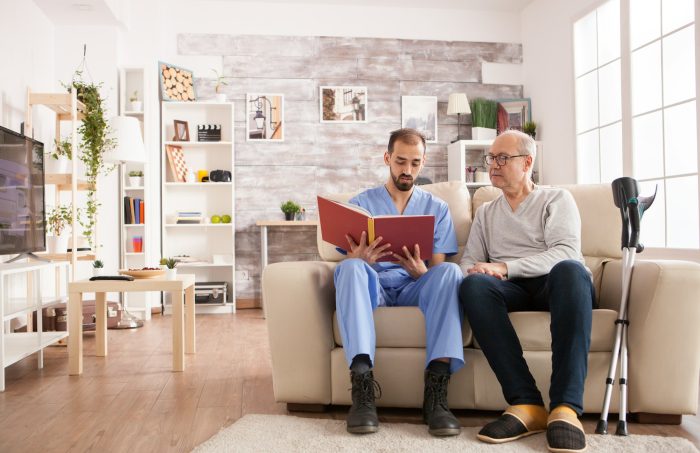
(632, 208)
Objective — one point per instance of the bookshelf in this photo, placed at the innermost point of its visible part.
(133, 80)
(204, 243)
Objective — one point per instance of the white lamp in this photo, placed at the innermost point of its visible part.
(126, 132)
(458, 104)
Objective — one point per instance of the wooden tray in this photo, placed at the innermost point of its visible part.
(142, 273)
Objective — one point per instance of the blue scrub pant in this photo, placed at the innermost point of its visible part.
(358, 292)
(567, 293)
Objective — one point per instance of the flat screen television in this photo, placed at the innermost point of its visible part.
(22, 209)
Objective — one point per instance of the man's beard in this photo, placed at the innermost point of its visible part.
(401, 185)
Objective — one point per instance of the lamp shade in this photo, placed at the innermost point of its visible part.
(126, 132)
(458, 104)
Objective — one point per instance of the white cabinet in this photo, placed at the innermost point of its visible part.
(198, 217)
(26, 288)
(470, 153)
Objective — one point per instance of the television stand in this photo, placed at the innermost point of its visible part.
(29, 256)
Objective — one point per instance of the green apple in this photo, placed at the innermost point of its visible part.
(215, 219)
(226, 218)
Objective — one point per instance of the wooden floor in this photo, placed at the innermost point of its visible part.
(130, 401)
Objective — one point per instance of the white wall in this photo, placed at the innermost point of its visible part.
(27, 61)
(548, 69)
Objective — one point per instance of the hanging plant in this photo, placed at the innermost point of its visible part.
(94, 142)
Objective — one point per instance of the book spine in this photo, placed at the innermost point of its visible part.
(370, 230)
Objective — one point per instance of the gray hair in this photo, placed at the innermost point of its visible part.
(525, 143)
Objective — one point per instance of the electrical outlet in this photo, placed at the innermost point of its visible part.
(241, 275)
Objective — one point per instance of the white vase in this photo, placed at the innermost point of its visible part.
(171, 274)
(135, 181)
(220, 97)
(57, 244)
(136, 106)
(57, 166)
(98, 271)
(483, 133)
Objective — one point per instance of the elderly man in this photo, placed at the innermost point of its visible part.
(362, 284)
(524, 254)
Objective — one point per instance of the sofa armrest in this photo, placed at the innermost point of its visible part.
(663, 339)
(299, 299)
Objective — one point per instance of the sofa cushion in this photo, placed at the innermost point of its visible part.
(399, 327)
(532, 328)
(454, 193)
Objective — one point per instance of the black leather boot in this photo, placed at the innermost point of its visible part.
(362, 417)
(436, 414)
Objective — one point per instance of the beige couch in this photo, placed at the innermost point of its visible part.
(309, 367)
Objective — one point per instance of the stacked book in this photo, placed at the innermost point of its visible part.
(189, 217)
(133, 210)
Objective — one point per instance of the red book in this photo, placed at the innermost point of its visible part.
(338, 219)
(141, 211)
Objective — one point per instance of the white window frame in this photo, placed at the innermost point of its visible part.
(626, 99)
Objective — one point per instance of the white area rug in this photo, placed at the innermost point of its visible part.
(283, 433)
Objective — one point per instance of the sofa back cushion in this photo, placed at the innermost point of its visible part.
(454, 193)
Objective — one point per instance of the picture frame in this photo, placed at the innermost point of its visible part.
(176, 83)
(176, 162)
(420, 113)
(343, 104)
(182, 131)
(513, 113)
(265, 117)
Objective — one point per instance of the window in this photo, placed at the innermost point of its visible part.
(661, 115)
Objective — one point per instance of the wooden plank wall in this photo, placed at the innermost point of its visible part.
(320, 158)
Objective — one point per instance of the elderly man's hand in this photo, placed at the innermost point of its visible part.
(370, 253)
(498, 270)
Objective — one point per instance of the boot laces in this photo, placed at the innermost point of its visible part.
(437, 385)
(367, 389)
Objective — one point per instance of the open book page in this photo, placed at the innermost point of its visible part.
(338, 219)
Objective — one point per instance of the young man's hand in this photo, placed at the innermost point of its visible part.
(498, 270)
(370, 253)
(412, 263)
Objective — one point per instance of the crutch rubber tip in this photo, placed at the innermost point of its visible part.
(601, 427)
(621, 428)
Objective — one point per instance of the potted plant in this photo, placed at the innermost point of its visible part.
(135, 104)
(171, 268)
(60, 157)
(98, 268)
(530, 128)
(290, 209)
(57, 221)
(135, 178)
(162, 263)
(484, 118)
(220, 97)
(94, 142)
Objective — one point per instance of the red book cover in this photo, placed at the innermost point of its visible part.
(338, 219)
(141, 211)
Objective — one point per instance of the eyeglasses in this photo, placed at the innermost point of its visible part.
(501, 159)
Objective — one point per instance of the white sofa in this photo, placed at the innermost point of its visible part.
(309, 368)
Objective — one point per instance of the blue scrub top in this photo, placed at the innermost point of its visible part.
(378, 202)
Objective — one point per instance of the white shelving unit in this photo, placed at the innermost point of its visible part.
(23, 291)
(464, 153)
(200, 241)
(132, 81)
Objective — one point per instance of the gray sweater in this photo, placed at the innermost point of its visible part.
(544, 230)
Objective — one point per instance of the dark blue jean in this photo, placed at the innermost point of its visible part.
(567, 293)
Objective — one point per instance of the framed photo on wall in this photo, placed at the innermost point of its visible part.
(513, 113)
(420, 112)
(264, 117)
(343, 104)
(176, 84)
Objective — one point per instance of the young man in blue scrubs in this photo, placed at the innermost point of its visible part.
(362, 284)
